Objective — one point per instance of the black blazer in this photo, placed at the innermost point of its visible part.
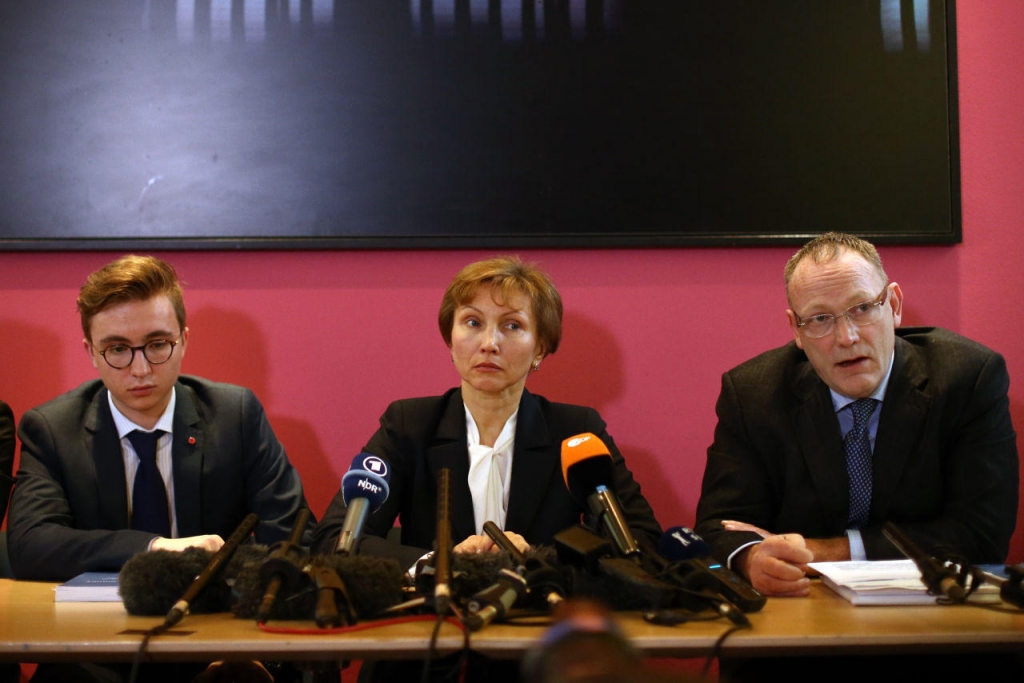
(420, 436)
(69, 512)
(945, 457)
(6, 455)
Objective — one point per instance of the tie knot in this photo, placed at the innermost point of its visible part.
(862, 410)
(144, 443)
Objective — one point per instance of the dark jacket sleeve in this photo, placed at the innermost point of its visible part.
(6, 455)
(45, 541)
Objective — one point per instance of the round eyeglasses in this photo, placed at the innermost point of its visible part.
(862, 314)
(120, 356)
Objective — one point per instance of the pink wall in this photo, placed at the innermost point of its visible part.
(328, 338)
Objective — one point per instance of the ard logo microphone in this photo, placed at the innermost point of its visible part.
(364, 488)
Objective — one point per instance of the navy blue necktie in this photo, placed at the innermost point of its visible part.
(149, 496)
(858, 462)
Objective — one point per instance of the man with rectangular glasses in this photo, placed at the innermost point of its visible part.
(854, 423)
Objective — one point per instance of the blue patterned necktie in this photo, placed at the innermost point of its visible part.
(149, 496)
(858, 462)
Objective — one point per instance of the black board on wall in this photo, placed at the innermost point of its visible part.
(224, 124)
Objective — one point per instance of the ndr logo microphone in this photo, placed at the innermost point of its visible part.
(368, 485)
(376, 465)
(573, 443)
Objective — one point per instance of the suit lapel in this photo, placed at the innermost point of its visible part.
(102, 442)
(187, 458)
(818, 437)
(903, 415)
(532, 465)
(450, 450)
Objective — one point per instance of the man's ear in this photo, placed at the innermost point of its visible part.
(896, 302)
(89, 352)
(791, 316)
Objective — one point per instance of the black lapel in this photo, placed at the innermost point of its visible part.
(102, 443)
(187, 458)
(450, 450)
(904, 411)
(819, 440)
(533, 465)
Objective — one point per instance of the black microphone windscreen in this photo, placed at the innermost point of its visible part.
(373, 584)
(474, 572)
(150, 583)
(619, 586)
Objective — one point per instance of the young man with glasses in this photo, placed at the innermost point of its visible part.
(90, 493)
(855, 423)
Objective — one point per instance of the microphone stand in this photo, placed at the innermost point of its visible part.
(937, 577)
(282, 567)
(443, 553)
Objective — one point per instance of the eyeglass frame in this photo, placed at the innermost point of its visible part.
(142, 348)
(878, 301)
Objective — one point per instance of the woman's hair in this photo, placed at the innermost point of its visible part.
(129, 278)
(506, 276)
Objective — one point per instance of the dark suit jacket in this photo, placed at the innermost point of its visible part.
(945, 457)
(69, 512)
(419, 437)
(6, 455)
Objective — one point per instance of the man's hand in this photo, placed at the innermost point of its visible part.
(777, 566)
(212, 543)
(484, 543)
(822, 549)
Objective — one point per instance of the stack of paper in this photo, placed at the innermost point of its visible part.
(888, 582)
(89, 587)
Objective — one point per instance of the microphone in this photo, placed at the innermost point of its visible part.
(692, 555)
(939, 579)
(150, 583)
(537, 573)
(506, 544)
(495, 601)
(443, 549)
(587, 467)
(212, 569)
(1010, 588)
(364, 488)
(282, 566)
(373, 585)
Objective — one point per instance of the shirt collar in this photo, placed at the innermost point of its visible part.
(839, 401)
(126, 426)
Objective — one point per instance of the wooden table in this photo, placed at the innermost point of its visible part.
(34, 628)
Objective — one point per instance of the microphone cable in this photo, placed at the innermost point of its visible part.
(463, 660)
(363, 626)
(717, 648)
